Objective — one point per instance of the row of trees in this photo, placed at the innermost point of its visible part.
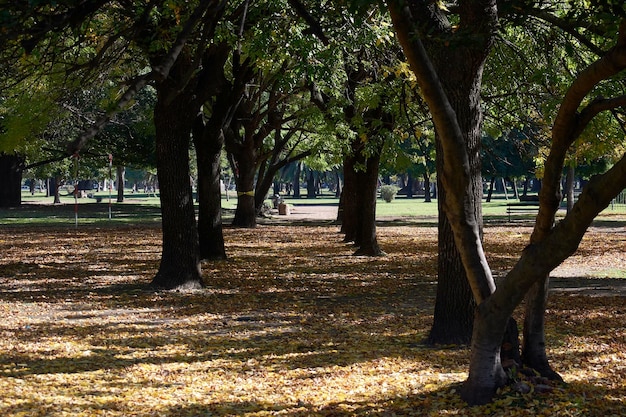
(271, 82)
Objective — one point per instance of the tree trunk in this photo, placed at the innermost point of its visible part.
(245, 213)
(55, 184)
(349, 213)
(506, 195)
(427, 194)
(180, 260)
(11, 167)
(408, 186)
(339, 185)
(534, 343)
(454, 304)
(310, 185)
(208, 142)
(457, 295)
(569, 187)
(366, 214)
(515, 191)
(450, 82)
(486, 374)
(525, 189)
(296, 180)
(265, 181)
(121, 180)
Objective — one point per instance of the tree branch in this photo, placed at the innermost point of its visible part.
(315, 26)
(158, 74)
(596, 106)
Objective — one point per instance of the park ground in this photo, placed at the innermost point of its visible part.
(291, 324)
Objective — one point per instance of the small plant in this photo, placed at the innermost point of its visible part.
(388, 192)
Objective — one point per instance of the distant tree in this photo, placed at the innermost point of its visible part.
(511, 156)
(11, 167)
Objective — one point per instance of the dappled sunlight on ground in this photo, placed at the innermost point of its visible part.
(291, 324)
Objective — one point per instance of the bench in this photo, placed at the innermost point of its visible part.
(521, 208)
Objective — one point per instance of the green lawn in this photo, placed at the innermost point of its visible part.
(141, 207)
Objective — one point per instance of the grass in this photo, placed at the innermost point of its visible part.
(142, 208)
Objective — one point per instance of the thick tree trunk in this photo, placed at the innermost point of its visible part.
(208, 142)
(245, 213)
(450, 84)
(454, 304)
(180, 260)
(367, 192)
(349, 203)
(486, 374)
(456, 294)
(11, 167)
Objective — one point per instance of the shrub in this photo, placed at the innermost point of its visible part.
(388, 192)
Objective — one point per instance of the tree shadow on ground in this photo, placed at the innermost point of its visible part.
(279, 307)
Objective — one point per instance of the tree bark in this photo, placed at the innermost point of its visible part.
(427, 193)
(11, 167)
(450, 84)
(349, 200)
(454, 303)
(490, 192)
(180, 261)
(310, 185)
(366, 214)
(245, 213)
(209, 142)
(174, 115)
(461, 89)
(55, 184)
(339, 183)
(296, 180)
(121, 180)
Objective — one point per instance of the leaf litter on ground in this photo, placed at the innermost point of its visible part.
(291, 324)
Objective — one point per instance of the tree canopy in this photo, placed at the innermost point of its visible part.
(95, 75)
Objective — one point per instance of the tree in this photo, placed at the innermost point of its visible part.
(458, 56)
(266, 134)
(208, 139)
(510, 156)
(180, 96)
(11, 167)
(358, 98)
(82, 38)
(496, 304)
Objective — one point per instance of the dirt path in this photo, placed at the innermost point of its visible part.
(600, 272)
